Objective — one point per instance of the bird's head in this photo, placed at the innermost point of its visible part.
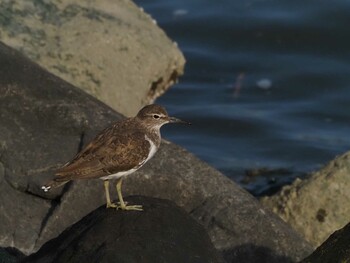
(156, 116)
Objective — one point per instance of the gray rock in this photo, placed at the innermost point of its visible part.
(335, 249)
(108, 48)
(42, 123)
(45, 121)
(163, 232)
(318, 205)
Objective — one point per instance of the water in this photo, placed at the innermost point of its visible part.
(266, 84)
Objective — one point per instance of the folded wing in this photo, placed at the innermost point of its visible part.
(109, 153)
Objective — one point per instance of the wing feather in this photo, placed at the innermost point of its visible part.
(110, 152)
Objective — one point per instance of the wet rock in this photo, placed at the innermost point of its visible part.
(107, 48)
(335, 249)
(44, 121)
(316, 206)
(163, 232)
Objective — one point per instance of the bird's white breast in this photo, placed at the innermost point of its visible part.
(152, 151)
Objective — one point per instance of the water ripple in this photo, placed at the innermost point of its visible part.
(297, 122)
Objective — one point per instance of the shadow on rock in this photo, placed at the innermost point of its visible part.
(250, 253)
(335, 249)
(10, 255)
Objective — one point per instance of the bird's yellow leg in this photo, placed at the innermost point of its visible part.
(108, 199)
(122, 205)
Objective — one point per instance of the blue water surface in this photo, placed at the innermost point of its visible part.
(266, 84)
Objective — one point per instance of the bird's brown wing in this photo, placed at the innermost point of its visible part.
(109, 153)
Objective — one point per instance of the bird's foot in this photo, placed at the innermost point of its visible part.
(130, 207)
(111, 205)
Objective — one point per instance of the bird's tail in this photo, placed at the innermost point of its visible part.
(53, 184)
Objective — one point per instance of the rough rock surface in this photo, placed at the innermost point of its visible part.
(335, 249)
(108, 48)
(316, 206)
(44, 121)
(161, 233)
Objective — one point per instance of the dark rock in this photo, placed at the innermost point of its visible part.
(163, 232)
(335, 249)
(40, 127)
(10, 255)
(262, 243)
(43, 123)
(251, 253)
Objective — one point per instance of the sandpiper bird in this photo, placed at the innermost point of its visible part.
(116, 152)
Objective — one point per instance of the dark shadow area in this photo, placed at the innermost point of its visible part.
(250, 253)
(10, 255)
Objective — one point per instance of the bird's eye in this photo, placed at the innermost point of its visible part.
(155, 116)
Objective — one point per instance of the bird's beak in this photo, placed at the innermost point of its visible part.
(176, 120)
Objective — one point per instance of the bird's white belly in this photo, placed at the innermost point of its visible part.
(118, 175)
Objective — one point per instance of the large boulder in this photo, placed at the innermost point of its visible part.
(45, 121)
(335, 249)
(162, 232)
(318, 205)
(108, 48)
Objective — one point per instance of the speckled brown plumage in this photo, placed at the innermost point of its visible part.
(117, 151)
